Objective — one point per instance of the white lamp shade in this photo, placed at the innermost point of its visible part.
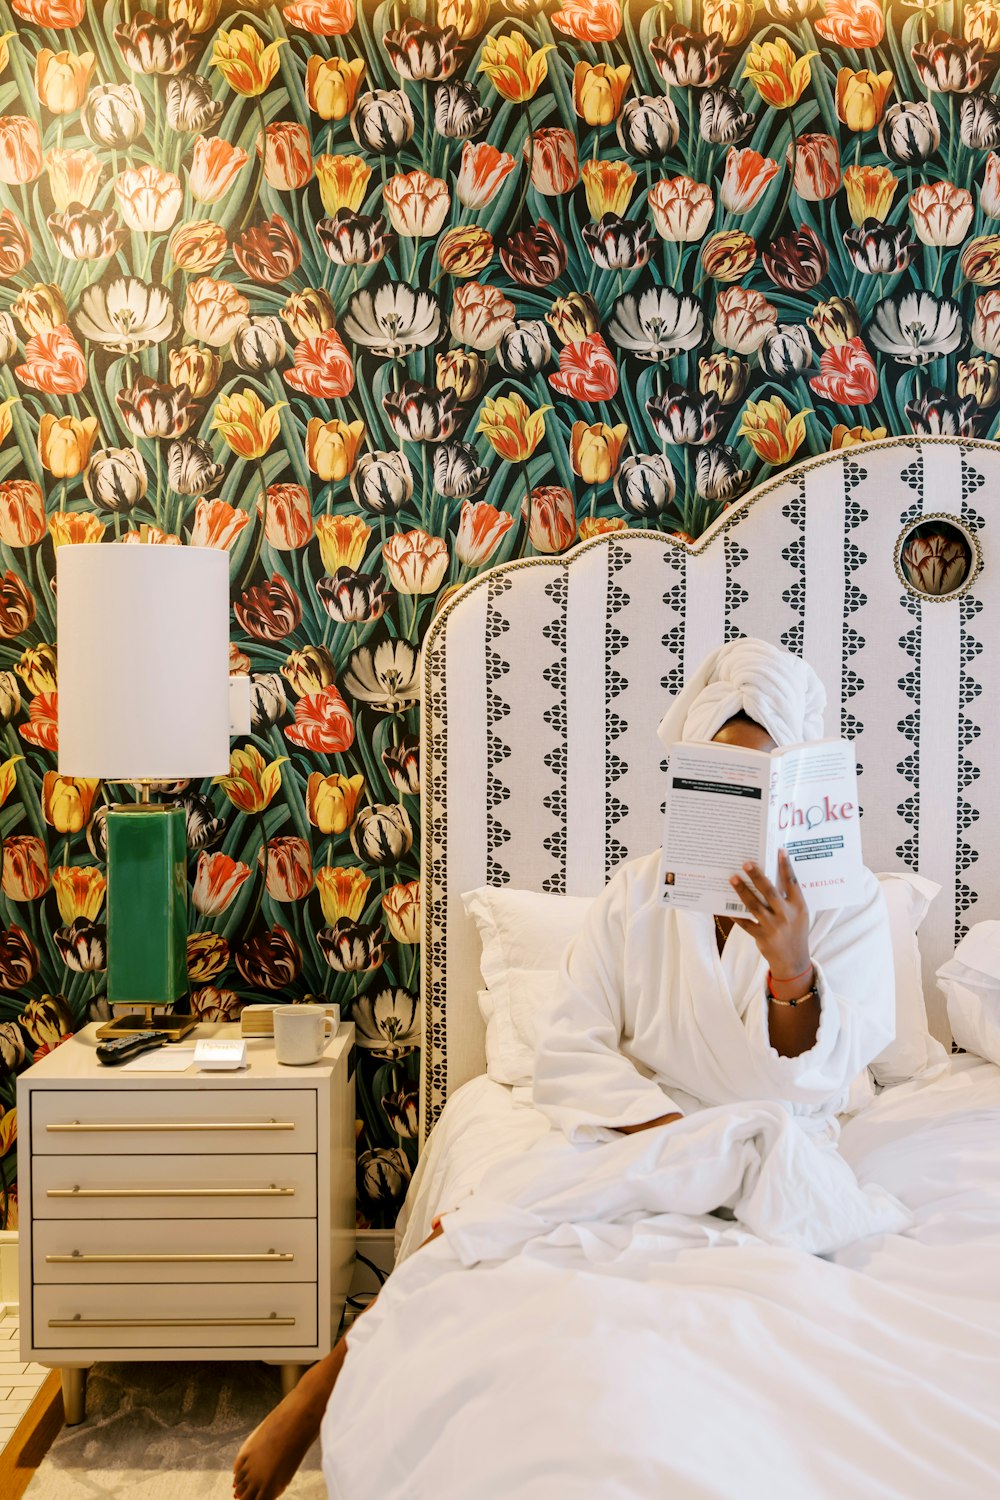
(143, 642)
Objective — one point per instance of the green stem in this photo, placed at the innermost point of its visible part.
(258, 180)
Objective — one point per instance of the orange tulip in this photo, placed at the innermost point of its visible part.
(401, 905)
(75, 527)
(22, 513)
(217, 524)
(592, 526)
(417, 204)
(215, 166)
(483, 173)
(217, 882)
(20, 150)
(550, 518)
(25, 868)
(942, 213)
(289, 872)
(745, 178)
(481, 529)
(288, 524)
(288, 163)
(415, 562)
(555, 162)
(682, 209)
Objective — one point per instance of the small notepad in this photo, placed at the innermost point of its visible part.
(163, 1060)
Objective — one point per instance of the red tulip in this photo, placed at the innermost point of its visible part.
(323, 723)
(847, 374)
(587, 371)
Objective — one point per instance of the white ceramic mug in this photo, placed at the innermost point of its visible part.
(300, 1033)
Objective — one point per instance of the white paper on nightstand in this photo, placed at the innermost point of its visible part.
(163, 1060)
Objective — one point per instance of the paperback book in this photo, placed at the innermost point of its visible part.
(726, 805)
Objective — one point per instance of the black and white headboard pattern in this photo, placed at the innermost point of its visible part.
(544, 681)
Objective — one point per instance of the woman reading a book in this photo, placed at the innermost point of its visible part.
(661, 1012)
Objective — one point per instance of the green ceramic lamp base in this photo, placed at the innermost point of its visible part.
(147, 917)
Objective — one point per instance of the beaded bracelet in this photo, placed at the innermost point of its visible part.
(799, 999)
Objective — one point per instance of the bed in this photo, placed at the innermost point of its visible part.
(679, 1354)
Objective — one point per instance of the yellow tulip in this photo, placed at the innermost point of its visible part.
(608, 185)
(512, 430)
(779, 77)
(342, 542)
(332, 801)
(332, 447)
(79, 892)
(247, 425)
(595, 450)
(343, 181)
(252, 783)
(8, 777)
(342, 892)
(247, 65)
(64, 443)
(61, 79)
(332, 85)
(513, 69)
(771, 430)
(861, 97)
(598, 91)
(67, 801)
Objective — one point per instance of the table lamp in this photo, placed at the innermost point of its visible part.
(143, 642)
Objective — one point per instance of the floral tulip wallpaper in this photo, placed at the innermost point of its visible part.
(376, 296)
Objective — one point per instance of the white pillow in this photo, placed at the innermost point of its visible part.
(511, 1016)
(524, 934)
(523, 929)
(912, 1049)
(971, 982)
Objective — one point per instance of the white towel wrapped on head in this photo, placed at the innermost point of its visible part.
(780, 692)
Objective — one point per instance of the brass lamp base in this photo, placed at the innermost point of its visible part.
(165, 1023)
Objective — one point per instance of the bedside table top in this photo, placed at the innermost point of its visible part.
(75, 1061)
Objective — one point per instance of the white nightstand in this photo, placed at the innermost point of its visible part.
(177, 1216)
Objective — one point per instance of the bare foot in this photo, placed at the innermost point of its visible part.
(268, 1460)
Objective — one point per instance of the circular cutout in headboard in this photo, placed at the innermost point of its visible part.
(938, 557)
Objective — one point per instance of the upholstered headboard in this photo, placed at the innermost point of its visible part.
(544, 680)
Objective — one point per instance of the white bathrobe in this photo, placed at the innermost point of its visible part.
(649, 1019)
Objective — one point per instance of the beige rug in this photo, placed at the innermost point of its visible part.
(164, 1432)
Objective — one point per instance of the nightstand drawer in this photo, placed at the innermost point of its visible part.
(179, 1121)
(123, 1252)
(192, 1317)
(179, 1187)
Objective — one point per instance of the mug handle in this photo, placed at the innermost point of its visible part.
(329, 1026)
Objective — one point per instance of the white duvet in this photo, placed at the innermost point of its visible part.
(569, 1337)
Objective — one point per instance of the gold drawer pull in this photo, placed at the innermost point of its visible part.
(78, 1259)
(175, 1125)
(77, 1322)
(248, 1192)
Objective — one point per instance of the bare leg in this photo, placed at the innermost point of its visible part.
(268, 1460)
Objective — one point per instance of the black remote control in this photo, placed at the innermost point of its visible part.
(119, 1049)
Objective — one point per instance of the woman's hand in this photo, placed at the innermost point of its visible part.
(780, 925)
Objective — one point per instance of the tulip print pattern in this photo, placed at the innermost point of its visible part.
(375, 295)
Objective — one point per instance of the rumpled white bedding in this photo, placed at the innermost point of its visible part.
(648, 1354)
